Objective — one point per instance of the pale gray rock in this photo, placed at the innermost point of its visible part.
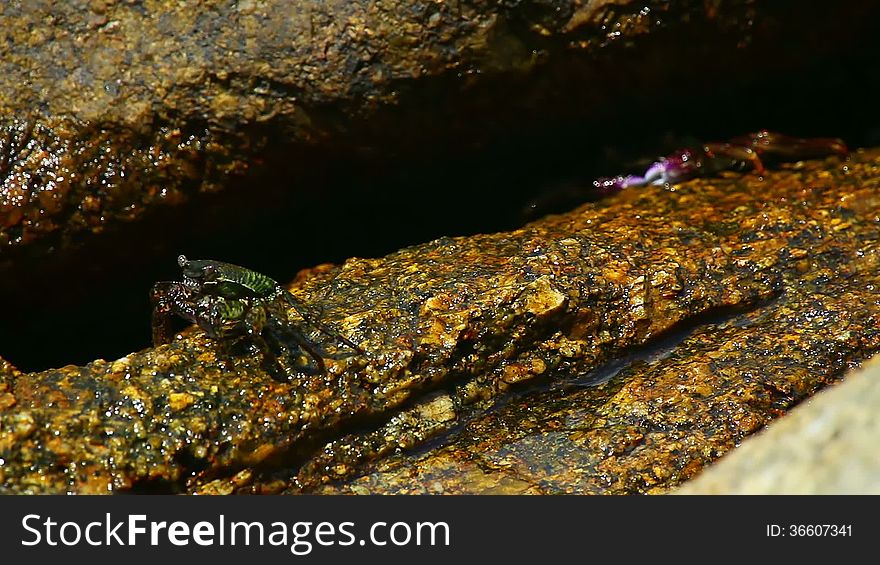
(828, 445)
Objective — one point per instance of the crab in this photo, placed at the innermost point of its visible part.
(711, 158)
(233, 304)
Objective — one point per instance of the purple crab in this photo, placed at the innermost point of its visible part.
(711, 158)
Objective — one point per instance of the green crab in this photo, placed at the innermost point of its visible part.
(234, 304)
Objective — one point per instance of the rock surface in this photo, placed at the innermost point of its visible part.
(131, 132)
(455, 325)
(660, 417)
(112, 109)
(827, 445)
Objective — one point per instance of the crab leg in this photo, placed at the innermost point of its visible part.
(305, 315)
(274, 332)
(792, 147)
(169, 298)
(735, 152)
(714, 157)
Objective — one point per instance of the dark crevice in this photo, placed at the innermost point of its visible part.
(326, 206)
(559, 381)
(663, 345)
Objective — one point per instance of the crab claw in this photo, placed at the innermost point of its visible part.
(792, 147)
(735, 152)
(160, 297)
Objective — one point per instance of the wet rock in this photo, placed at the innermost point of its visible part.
(452, 326)
(110, 110)
(661, 417)
(825, 446)
(6, 368)
(6, 372)
(62, 179)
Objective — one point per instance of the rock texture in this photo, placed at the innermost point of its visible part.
(827, 445)
(452, 326)
(660, 416)
(111, 109)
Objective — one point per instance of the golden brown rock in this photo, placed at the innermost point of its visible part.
(448, 325)
(108, 111)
